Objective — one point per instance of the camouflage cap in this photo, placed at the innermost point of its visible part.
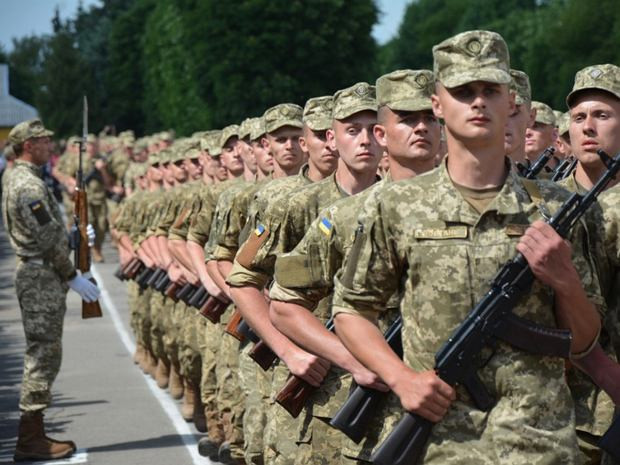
(563, 122)
(406, 90)
(91, 139)
(472, 56)
(245, 128)
(257, 128)
(284, 114)
(141, 169)
(168, 156)
(210, 142)
(558, 115)
(603, 77)
(73, 140)
(192, 153)
(28, 130)
(520, 85)
(318, 113)
(228, 132)
(154, 159)
(129, 134)
(359, 97)
(544, 113)
(167, 136)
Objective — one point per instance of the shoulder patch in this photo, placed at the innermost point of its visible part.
(260, 230)
(40, 213)
(326, 227)
(249, 249)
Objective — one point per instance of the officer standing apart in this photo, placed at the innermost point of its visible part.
(43, 275)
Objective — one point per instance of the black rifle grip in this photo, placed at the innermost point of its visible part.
(408, 439)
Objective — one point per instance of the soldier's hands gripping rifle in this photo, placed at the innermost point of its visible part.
(80, 239)
(491, 319)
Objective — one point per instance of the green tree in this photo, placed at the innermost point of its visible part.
(25, 67)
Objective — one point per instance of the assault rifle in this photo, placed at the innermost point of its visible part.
(541, 162)
(491, 319)
(80, 237)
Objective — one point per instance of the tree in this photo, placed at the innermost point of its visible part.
(25, 67)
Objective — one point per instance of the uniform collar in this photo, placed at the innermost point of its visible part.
(34, 169)
(512, 199)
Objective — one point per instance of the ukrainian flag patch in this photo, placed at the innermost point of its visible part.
(260, 230)
(326, 227)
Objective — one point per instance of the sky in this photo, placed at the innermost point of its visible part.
(19, 18)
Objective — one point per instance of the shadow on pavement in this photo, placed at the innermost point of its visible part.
(168, 440)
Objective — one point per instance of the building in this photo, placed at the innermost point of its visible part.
(12, 110)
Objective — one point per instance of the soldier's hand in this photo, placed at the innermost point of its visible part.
(174, 273)
(306, 366)
(99, 164)
(549, 256)
(364, 377)
(425, 394)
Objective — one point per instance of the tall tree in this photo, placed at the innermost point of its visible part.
(25, 67)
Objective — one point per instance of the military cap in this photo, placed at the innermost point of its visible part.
(472, 56)
(28, 130)
(406, 90)
(228, 132)
(257, 128)
(192, 153)
(210, 142)
(284, 114)
(167, 136)
(544, 113)
(359, 97)
(557, 115)
(603, 77)
(91, 139)
(8, 152)
(318, 113)
(563, 122)
(520, 85)
(168, 156)
(154, 159)
(141, 144)
(245, 128)
(73, 140)
(141, 169)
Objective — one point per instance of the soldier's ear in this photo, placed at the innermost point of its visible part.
(330, 135)
(379, 132)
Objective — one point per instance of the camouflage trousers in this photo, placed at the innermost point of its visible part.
(172, 333)
(143, 318)
(42, 301)
(210, 342)
(282, 430)
(98, 217)
(256, 385)
(158, 324)
(230, 397)
(132, 300)
(189, 349)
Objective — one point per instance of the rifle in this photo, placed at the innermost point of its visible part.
(213, 309)
(199, 298)
(155, 277)
(610, 442)
(82, 249)
(232, 327)
(541, 162)
(262, 354)
(296, 392)
(186, 293)
(143, 277)
(132, 268)
(118, 274)
(171, 291)
(354, 417)
(491, 319)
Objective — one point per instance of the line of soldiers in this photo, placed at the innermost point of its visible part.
(270, 255)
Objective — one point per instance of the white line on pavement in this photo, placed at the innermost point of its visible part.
(164, 400)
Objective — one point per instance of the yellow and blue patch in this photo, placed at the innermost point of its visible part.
(260, 230)
(326, 227)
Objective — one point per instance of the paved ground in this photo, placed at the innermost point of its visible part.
(102, 401)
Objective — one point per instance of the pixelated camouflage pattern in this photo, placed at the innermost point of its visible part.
(284, 114)
(28, 129)
(359, 97)
(603, 77)
(520, 85)
(318, 113)
(406, 90)
(544, 113)
(407, 250)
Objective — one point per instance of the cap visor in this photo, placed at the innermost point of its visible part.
(345, 113)
(571, 97)
(494, 75)
(410, 105)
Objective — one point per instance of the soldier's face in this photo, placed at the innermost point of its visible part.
(193, 167)
(594, 125)
(39, 148)
(154, 174)
(355, 141)
(247, 155)
(412, 135)
(91, 149)
(562, 147)
(475, 113)
(519, 120)
(264, 160)
(320, 152)
(231, 158)
(178, 171)
(284, 146)
(538, 138)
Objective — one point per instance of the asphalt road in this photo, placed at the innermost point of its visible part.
(101, 400)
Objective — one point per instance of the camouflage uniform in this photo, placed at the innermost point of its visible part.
(424, 241)
(38, 236)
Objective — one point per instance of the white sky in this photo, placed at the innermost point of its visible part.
(20, 18)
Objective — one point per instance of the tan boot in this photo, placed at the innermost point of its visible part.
(33, 444)
(189, 397)
(175, 383)
(200, 420)
(151, 368)
(97, 255)
(162, 374)
(138, 355)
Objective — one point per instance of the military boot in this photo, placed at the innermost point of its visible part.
(209, 446)
(189, 399)
(225, 457)
(33, 444)
(138, 355)
(175, 383)
(151, 367)
(200, 420)
(162, 373)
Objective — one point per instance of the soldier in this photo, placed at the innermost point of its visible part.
(437, 240)
(594, 111)
(563, 147)
(519, 121)
(542, 133)
(304, 277)
(43, 275)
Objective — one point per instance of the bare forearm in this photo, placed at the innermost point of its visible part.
(162, 243)
(307, 331)
(575, 312)
(217, 278)
(179, 252)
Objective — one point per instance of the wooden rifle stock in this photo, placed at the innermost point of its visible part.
(132, 268)
(232, 327)
(262, 354)
(213, 309)
(171, 291)
(294, 395)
